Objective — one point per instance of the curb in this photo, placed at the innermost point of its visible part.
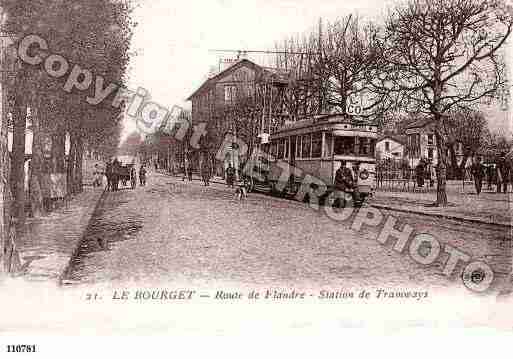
(442, 216)
(398, 209)
(75, 251)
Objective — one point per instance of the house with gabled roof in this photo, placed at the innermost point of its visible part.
(391, 146)
(421, 142)
(224, 89)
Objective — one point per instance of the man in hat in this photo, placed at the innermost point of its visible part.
(419, 172)
(206, 172)
(345, 182)
(478, 173)
(502, 173)
(230, 175)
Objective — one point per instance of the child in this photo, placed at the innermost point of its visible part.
(242, 189)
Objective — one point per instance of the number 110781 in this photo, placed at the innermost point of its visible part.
(21, 348)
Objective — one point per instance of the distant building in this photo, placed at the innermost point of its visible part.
(223, 89)
(222, 92)
(390, 146)
(421, 142)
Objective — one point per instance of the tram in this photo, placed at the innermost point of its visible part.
(316, 146)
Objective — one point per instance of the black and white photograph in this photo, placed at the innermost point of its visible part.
(256, 168)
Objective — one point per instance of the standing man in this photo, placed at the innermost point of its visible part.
(502, 173)
(489, 175)
(432, 174)
(419, 173)
(142, 175)
(345, 182)
(108, 174)
(230, 175)
(189, 171)
(478, 173)
(116, 167)
(185, 168)
(205, 172)
(97, 181)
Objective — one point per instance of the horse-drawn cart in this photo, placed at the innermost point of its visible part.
(127, 175)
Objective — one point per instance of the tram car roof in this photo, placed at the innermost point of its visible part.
(323, 123)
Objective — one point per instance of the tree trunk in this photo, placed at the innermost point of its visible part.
(18, 159)
(441, 194)
(78, 166)
(454, 161)
(58, 151)
(36, 195)
(72, 163)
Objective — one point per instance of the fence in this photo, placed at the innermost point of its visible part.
(394, 176)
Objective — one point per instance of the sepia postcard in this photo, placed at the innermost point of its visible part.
(254, 168)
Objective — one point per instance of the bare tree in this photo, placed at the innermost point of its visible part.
(443, 54)
(467, 127)
(351, 55)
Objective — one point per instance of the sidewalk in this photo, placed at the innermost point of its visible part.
(464, 205)
(48, 243)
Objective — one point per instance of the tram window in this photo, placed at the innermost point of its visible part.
(327, 144)
(372, 147)
(364, 146)
(306, 146)
(317, 145)
(298, 147)
(266, 147)
(344, 145)
(286, 149)
(280, 148)
(272, 149)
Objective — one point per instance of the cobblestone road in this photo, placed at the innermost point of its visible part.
(179, 232)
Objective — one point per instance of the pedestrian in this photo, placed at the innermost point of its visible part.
(189, 171)
(432, 174)
(489, 175)
(346, 183)
(185, 167)
(97, 173)
(142, 175)
(478, 173)
(206, 172)
(108, 174)
(230, 176)
(494, 174)
(503, 172)
(116, 168)
(419, 173)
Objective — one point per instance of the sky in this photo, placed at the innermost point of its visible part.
(173, 39)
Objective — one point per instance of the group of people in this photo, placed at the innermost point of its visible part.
(205, 172)
(497, 173)
(114, 175)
